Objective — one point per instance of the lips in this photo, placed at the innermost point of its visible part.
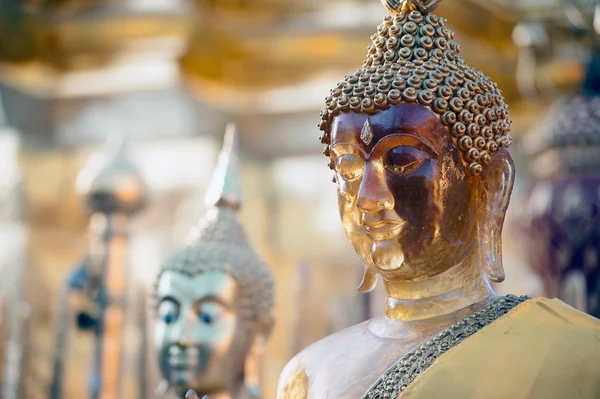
(190, 358)
(183, 362)
(382, 230)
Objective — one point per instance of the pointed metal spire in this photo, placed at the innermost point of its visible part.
(225, 189)
(110, 181)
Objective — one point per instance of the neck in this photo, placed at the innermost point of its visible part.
(457, 288)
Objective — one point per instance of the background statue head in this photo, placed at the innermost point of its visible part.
(561, 216)
(417, 140)
(214, 297)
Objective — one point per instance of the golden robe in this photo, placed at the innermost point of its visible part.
(541, 349)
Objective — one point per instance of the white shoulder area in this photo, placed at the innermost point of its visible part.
(314, 360)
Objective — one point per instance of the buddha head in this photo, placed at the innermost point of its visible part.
(418, 142)
(214, 298)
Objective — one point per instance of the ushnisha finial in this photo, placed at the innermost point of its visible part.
(406, 6)
(225, 189)
(110, 182)
(219, 243)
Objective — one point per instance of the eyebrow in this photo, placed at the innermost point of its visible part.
(356, 148)
(169, 298)
(407, 129)
(215, 298)
(418, 141)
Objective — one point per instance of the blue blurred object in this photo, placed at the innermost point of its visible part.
(79, 277)
(591, 83)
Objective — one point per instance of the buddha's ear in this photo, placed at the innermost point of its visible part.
(265, 326)
(496, 184)
(254, 358)
(369, 281)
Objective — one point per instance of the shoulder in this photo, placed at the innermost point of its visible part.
(560, 342)
(313, 361)
(543, 348)
(559, 313)
(293, 381)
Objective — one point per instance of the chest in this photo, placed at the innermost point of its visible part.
(351, 371)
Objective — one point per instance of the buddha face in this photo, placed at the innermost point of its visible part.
(405, 199)
(195, 330)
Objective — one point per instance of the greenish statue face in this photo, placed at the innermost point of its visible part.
(195, 329)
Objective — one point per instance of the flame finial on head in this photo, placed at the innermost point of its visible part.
(219, 243)
(225, 187)
(406, 6)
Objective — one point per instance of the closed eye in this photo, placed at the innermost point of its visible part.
(210, 312)
(405, 169)
(349, 166)
(403, 160)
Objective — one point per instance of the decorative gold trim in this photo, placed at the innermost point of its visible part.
(402, 373)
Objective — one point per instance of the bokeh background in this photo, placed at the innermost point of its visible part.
(168, 75)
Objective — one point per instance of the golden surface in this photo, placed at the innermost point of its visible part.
(251, 48)
(80, 41)
(419, 221)
(298, 386)
(256, 62)
(541, 349)
(406, 6)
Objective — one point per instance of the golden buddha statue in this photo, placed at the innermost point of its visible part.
(214, 299)
(418, 143)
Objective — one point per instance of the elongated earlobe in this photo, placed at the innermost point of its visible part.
(495, 189)
(254, 359)
(369, 281)
(252, 368)
(490, 244)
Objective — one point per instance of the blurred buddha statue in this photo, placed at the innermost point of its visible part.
(214, 299)
(562, 215)
(418, 143)
(97, 290)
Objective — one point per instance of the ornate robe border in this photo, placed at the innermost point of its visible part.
(410, 366)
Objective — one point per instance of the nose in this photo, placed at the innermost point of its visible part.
(374, 195)
(188, 331)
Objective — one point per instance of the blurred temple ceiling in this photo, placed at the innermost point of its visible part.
(239, 56)
(266, 64)
(64, 62)
(84, 35)
(242, 53)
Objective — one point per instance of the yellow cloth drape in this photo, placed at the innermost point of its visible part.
(542, 349)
